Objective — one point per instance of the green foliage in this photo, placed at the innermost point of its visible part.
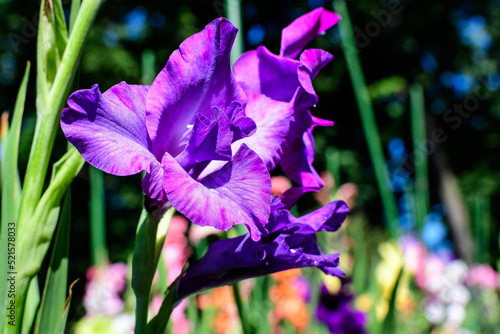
(53, 310)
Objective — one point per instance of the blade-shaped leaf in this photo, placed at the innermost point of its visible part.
(52, 41)
(75, 8)
(59, 25)
(54, 294)
(33, 300)
(64, 317)
(11, 193)
(44, 220)
(34, 245)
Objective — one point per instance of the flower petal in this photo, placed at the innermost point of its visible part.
(312, 61)
(196, 78)
(327, 218)
(304, 29)
(109, 131)
(267, 73)
(210, 140)
(273, 120)
(297, 161)
(292, 244)
(238, 193)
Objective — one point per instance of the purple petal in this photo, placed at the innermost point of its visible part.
(304, 29)
(312, 61)
(241, 125)
(328, 218)
(196, 78)
(273, 125)
(291, 244)
(109, 130)
(269, 74)
(239, 193)
(291, 196)
(297, 161)
(210, 140)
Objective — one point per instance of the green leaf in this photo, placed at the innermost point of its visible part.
(422, 201)
(44, 220)
(33, 299)
(64, 316)
(59, 25)
(52, 40)
(11, 190)
(54, 293)
(158, 324)
(75, 8)
(34, 245)
(50, 100)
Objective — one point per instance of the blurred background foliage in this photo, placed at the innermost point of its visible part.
(449, 47)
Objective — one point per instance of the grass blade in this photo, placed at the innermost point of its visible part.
(75, 8)
(49, 105)
(54, 294)
(368, 118)
(11, 193)
(422, 200)
(35, 244)
(32, 306)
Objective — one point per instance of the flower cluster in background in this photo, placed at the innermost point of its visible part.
(336, 310)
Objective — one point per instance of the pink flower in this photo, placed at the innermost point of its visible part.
(198, 233)
(414, 254)
(483, 276)
(103, 289)
(279, 184)
(430, 277)
(176, 248)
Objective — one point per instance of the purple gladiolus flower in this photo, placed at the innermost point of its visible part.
(336, 312)
(180, 130)
(285, 85)
(291, 243)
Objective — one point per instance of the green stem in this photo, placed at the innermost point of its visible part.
(142, 268)
(49, 122)
(98, 247)
(158, 324)
(245, 324)
(233, 10)
(422, 200)
(151, 233)
(367, 117)
(33, 246)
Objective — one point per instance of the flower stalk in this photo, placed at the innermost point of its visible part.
(367, 117)
(57, 59)
(419, 143)
(151, 232)
(48, 118)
